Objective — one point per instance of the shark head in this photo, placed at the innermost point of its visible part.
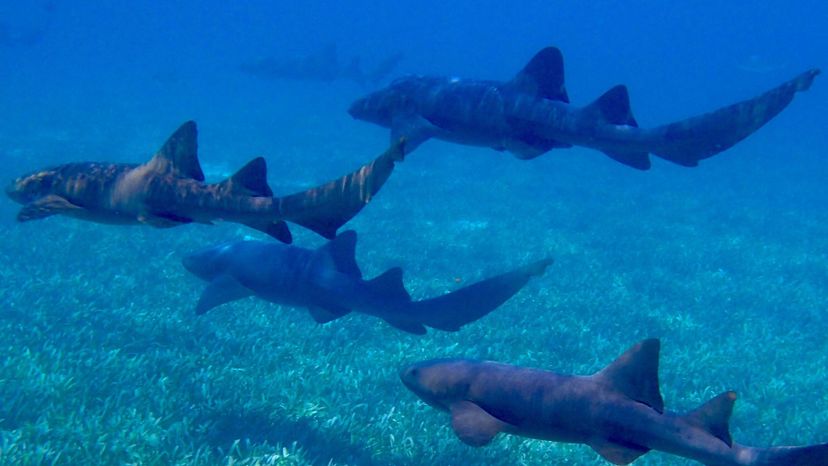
(209, 262)
(438, 382)
(382, 106)
(32, 186)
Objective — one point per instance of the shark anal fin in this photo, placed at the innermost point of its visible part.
(407, 326)
(325, 208)
(223, 289)
(278, 230)
(180, 153)
(323, 315)
(342, 252)
(46, 206)
(543, 76)
(714, 416)
(635, 374)
(473, 425)
(617, 453)
(251, 179)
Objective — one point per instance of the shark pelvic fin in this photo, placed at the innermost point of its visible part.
(635, 374)
(473, 425)
(714, 416)
(342, 252)
(617, 453)
(407, 326)
(323, 315)
(251, 179)
(180, 153)
(543, 76)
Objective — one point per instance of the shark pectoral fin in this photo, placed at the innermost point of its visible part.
(278, 230)
(407, 326)
(414, 129)
(617, 453)
(47, 206)
(323, 315)
(635, 374)
(473, 425)
(223, 289)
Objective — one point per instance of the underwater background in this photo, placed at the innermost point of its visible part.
(102, 360)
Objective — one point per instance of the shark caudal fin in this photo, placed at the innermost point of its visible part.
(325, 208)
(613, 107)
(809, 455)
(251, 180)
(453, 310)
(689, 141)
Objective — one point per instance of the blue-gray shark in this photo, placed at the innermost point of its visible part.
(531, 114)
(328, 282)
(169, 190)
(617, 411)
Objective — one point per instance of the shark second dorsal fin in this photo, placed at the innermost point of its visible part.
(614, 107)
(251, 179)
(635, 374)
(342, 251)
(543, 76)
(390, 285)
(180, 153)
(714, 416)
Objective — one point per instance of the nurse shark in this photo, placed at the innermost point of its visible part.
(530, 114)
(169, 190)
(617, 411)
(328, 282)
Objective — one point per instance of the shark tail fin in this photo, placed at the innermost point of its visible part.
(325, 208)
(790, 456)
(453, 310)
(688, 141)
(714, 416)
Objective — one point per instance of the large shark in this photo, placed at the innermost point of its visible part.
(328, 282)
(531, 114)
(617, 411)
(169, 190)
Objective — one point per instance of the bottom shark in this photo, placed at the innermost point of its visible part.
(329, 283)
(618, 411)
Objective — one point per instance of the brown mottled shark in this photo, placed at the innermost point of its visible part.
(617, 411)
(169, 190)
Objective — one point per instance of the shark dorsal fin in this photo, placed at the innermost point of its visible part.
(543, 76)
(251, 179)
(180, 153)
(342, 251)
(714, 416)
(614, 107)
(635, 374)
(390, 285)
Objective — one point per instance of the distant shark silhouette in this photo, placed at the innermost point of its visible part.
(329, 283)
(169, 191)
(323, 66)
(531, 115)
(618, 411)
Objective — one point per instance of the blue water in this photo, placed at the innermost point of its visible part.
(725, 262)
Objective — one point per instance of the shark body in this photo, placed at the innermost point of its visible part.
(618, 411)
(169, 190)
(328, 282)
(531, 115)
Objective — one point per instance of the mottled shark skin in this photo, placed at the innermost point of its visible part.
(328, 282)
(169, 190)
(617, 411)
(531, 114)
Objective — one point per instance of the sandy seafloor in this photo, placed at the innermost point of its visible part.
(104, 362)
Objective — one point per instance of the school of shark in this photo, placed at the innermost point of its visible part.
(618, 411)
